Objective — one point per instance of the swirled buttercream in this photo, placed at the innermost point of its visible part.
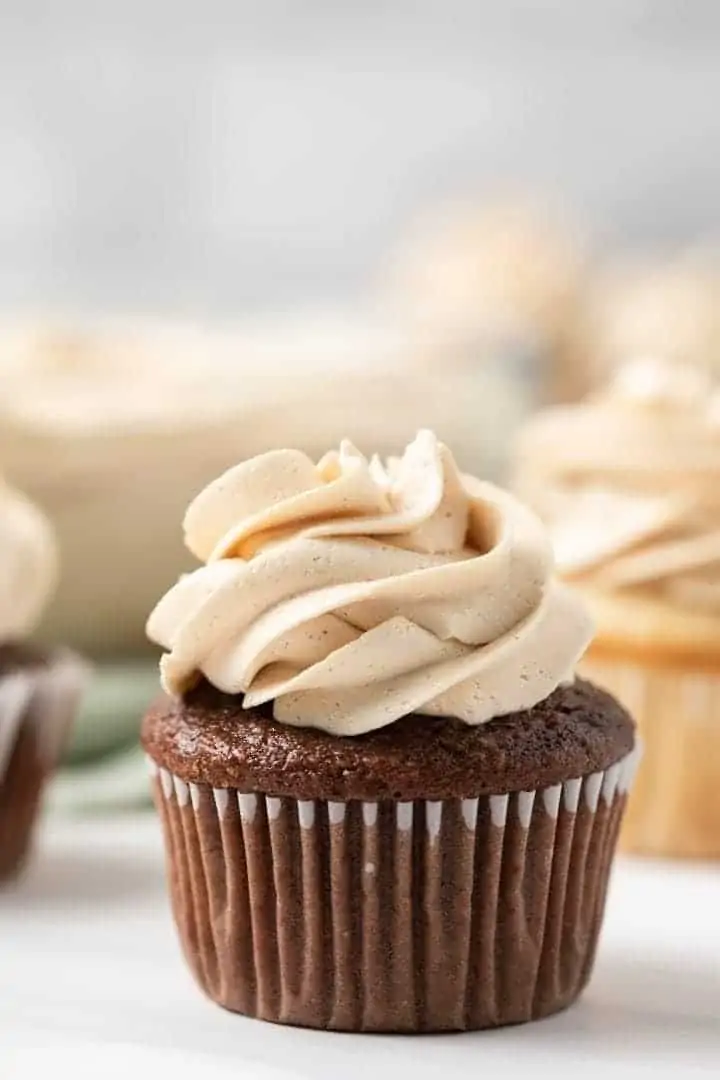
(628, 484)
(350, 593)
(28, 564)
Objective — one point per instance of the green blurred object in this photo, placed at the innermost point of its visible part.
(104, 769)
(109, 720)
(119, 782)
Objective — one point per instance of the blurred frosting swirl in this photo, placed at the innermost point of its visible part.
(628, 483)
(28, 564)
(350, 593)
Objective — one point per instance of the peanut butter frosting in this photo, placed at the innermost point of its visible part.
(28, 564)
(628, 483)
(350, 593)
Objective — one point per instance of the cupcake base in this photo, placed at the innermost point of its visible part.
(395, 916)
(675, 806)
(39, 694)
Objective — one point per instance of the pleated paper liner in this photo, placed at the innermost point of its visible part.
(675, 805)
(37, 707)
(399, 917)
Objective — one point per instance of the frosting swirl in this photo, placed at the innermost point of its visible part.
(628, 483)
(28, 564)
(351, 593)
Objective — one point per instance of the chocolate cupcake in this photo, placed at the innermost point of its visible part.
(39, 688)
(387, 803)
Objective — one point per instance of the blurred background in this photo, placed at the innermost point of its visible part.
(207, 156)
(227, 225)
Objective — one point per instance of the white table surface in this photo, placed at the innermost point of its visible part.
(91, 977)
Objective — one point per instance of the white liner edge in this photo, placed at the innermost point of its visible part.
(54, 693)
(616, 780)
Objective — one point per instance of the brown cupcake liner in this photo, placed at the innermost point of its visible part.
(675, 805)
(37, 707)
(399, 917)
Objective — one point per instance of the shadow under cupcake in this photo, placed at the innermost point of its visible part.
(387, 803)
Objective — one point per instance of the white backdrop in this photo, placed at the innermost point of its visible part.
(209, 154)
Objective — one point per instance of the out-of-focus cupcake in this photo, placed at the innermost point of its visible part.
(629, 483)
(113, 425)
(388, 805)
(39, 688)
(497, 283)
(667, 308)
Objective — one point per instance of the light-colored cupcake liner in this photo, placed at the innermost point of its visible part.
(37, 707)
(407, 916)
(675, 805)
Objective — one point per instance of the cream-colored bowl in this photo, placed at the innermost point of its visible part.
(113, 426)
